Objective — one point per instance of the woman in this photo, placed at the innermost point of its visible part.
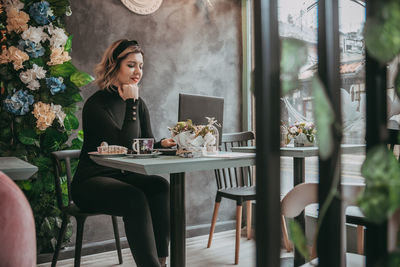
(116, 114)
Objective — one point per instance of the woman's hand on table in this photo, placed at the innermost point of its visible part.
(169, 142)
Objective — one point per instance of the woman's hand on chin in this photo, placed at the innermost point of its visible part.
(169, 142)
(127, 91)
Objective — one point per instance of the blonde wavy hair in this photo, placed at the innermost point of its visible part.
(106, 71)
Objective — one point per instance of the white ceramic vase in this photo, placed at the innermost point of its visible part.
(302, 140)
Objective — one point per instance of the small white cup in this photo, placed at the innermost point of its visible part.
(143, 145)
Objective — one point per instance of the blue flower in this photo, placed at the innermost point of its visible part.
(55, 84)
(40, 13)
(34, 50)
(19, 102)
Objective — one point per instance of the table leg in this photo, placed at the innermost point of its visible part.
(298, 178)
(178, 219)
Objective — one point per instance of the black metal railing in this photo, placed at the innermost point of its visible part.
(267, 95)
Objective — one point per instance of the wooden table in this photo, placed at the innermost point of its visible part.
(299, 154)
(176, 167)
(16, 168)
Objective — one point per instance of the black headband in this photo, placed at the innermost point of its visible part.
(122, 46)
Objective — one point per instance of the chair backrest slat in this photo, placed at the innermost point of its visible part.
(242, 172)
(240, 177)
(216, 172)
(58, 158)
(225, 184)
(69, 177)
(250, 176)
(236, 176)
(230, 178)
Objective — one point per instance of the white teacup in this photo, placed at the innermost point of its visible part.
(143, 145)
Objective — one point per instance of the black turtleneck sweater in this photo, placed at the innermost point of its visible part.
(107, 117)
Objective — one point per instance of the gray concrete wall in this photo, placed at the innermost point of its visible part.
(190, 48)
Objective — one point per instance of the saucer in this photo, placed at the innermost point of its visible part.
(144, 156)
(95, 153)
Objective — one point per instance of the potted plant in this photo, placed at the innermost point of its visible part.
(303, 133)
(195, 140)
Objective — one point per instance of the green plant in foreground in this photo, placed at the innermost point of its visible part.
(39, 91)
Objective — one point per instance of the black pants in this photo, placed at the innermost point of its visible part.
(142, 201)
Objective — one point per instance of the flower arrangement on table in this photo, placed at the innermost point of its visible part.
(39, 89)
(195, 140)
(302, 132)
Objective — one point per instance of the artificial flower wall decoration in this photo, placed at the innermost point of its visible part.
(39, 89)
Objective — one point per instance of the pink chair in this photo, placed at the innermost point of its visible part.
(17, 226)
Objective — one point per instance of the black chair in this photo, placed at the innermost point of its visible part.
(235, 184)
(71, 209)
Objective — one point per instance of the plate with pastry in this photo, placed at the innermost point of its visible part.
(106, 150)
(109, 155)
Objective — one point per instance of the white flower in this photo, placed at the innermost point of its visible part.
(293, 130)
(35, 34)
(50, 12)
(58, 37)
(68, 11)
(309, 126)
(40, 73)
(27, 76)
(33, 85)
(60, 115)
(31, 75)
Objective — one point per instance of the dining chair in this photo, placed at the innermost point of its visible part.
(17, 231)
(235, 184)
(302, 195)
(70, 209)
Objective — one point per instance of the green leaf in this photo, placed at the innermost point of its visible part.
(393, 259)
(71, 122)
(58, 7)
(68, 44)
(38, 61)
(381, 197)
(5, 134)
(80, 135)
(63, 70)
(43, 163)
(298, 238)
(53, 139)
(382, 32)
(73, 108)
(25, 185)
(81, 78)
(324, 118)
(77, 97)
(76, 143)
(28, 137)
(294, 56)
